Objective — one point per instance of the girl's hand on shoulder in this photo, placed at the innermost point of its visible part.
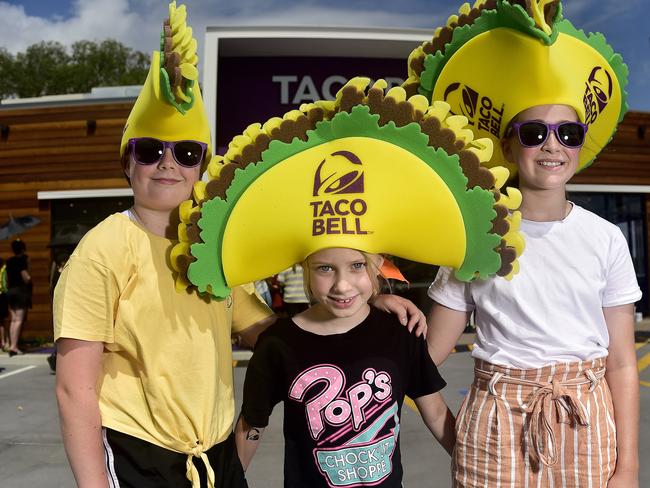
(407, 312)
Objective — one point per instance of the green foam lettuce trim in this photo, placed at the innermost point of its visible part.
(166, 87)
(505, 15)
(476, 205)
(598, 42)
(208, 253)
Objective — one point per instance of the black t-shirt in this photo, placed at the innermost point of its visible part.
(342, 396)
(15, 266)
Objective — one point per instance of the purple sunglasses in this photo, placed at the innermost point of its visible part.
(149, 150)
(532, 133)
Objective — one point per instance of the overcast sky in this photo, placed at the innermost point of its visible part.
(136, 23)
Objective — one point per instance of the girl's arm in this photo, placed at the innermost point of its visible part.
(623, 379)
(438, 418)
(247, 439)
(406, 311)
(445, 327)
(248, 337)
(26, 274)
(79, 364)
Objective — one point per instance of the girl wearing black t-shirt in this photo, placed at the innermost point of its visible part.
(342, 369)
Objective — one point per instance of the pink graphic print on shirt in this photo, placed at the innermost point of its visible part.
(366, 459)
(327, 406)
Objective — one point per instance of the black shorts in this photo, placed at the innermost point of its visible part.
(134, 463)
(19, 298)
(4, 307)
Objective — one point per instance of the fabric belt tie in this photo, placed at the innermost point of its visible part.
(556, 395)
(192, 473)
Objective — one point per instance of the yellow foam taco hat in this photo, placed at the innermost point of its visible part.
(170, 106)
(498, 58)
(372, 171)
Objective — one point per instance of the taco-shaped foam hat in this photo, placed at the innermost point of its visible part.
(498, 58)
(170, 106)
(371, 171)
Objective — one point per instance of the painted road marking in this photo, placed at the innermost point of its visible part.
(410, 404)
(21, 370)
(644, 362)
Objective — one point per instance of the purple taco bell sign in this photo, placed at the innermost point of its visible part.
(254, 73)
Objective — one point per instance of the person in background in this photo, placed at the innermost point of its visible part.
(61, 256)
(19, 293)
(262, 289)
(277, 305)
(293, 290)
(4, 307)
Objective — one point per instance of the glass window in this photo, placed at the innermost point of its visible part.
(71, 219)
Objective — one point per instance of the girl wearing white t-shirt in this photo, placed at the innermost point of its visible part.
(540, 411)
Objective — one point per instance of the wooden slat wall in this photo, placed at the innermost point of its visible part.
(69, 147)
(626, 160)
(76, 147)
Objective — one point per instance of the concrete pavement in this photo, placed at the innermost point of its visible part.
(32, 455)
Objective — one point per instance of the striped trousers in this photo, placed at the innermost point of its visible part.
(532, 428)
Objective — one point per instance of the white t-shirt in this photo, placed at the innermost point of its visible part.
(552, 310)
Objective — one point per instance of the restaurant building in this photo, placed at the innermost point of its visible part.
(59, 156)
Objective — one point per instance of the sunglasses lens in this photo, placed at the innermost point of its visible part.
(532, 133)
(148, 151)
(188, 153)
(571, 134)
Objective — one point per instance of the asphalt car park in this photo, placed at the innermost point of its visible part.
(32, 454)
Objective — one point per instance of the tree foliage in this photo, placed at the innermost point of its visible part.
(6, 65)
(49, 68)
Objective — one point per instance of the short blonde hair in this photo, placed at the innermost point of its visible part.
(372, 268)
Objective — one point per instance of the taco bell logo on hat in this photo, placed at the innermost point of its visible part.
(340, 173)
(598, 90)
(463, 99)
(480, 111)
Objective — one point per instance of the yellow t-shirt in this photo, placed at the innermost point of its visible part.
(167, 365)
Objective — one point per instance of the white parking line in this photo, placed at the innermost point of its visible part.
(11, 373)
